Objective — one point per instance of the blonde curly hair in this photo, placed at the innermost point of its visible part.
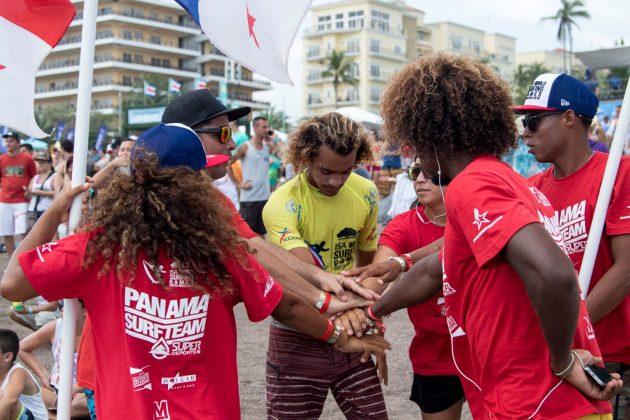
(340, 133)
(449, 105)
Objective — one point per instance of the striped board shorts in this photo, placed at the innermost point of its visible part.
(301, 370)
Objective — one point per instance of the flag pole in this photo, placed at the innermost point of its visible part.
(605, 191)
(82, 131)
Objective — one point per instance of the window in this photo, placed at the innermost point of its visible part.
(354, 70)
(137, 58)
(323, 23)
(127, 35)
(339, 21)
(313, 74)
(352, 47)
(155, 39)
(313, 51)
(397, 50)
(355, 19)
(126, 58)
(352, 95)
(127, 81)
(456, 42)
(313, 98)
(375, 95)
(156, 62)
(375, 70)
(380, 21)
(375, 46)
(421, 36)
(166, 63)
(476, 46)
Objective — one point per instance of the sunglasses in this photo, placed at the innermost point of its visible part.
(414, 171)
(225, 133)
(531, 121)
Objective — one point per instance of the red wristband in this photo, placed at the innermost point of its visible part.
(326, 304)
(408, 260)
(372, 316)
(328, 332)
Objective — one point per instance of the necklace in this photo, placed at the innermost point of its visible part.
(431, 219)
(587, 161)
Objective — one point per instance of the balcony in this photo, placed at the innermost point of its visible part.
(312, 80)
(387, 53)
(108, 61)
(329, 29)
(380, 76)
(71, 89)
(245, 81)
(137, 17)
(108, 38)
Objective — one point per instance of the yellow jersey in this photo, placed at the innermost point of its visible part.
(333, 228)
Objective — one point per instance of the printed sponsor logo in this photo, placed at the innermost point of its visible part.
(540, 197)
(294, 208)
(173, 326)
(481, 220)
(590, 332)
(161, 410)
(454, 329)
(536, 90)
(177, 382)
(268, 286)
(46, 248)
(564, 102)
(174, 278)
(287, 235)
(572, 226)
(551, 226)
(140, 378)
(447, 289)
(625, 217)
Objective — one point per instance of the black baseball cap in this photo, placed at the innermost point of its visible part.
(200, 105)
(11, 134)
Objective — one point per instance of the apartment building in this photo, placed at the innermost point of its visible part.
(552, 60)
(496, 50)
(377, 36)
(135, 38)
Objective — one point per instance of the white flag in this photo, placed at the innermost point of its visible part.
(256, 33)
(29, 29)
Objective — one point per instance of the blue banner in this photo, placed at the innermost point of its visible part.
(3, 130)
(70, 134)
(60, 126)
(100, 138)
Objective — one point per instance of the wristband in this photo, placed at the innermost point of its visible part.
(324, 302)
(335, 335)
(328, 333)
(408, 260)
(566, 371)
(400, 261)
(372, 316)
(30, 310)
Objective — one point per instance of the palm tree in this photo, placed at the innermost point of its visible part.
(276, 119)
(565, 17)
(340, 70)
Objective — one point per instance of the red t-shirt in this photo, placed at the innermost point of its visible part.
(15, 174)
(574, 198)
(430, 349)
(159, 354)
(498, 345)
(86, 365)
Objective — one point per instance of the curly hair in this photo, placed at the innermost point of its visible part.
(171, 209)
(449, 105)
(340, 133)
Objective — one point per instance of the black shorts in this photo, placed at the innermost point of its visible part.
(251, 212)
(435, 393)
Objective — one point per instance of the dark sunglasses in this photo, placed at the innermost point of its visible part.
(225, 133)
(414, 171)
(531, 121)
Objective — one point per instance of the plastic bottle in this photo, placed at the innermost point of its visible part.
(18, 306)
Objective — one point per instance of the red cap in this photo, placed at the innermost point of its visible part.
(214, 160)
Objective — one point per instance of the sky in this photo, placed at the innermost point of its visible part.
(518, 19)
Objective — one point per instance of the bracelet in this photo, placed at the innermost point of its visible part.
(328, 333)
(566, 371)
(335, 335)
(403, 264)
(372, 316)
(408, 260)
(30, 310)
(324, 302)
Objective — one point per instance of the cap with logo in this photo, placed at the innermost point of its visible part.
(559, 92)
(42, 157)
(175, 145)
(200, 105)
(11, 134)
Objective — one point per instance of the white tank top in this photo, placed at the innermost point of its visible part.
(41, 183)
(34, 402)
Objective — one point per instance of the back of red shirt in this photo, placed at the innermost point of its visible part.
(16, 173)
(498, 344)
(574, 198)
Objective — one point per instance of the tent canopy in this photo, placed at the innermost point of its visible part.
(37, 144)
(609, 58)
(369, 119)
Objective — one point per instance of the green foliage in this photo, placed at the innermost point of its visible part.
(565, 18)
(339, 68)
(49, 117)
(524, 75)
(277, 119)
(137, 98)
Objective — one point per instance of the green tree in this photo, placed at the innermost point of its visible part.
(565, 18)
(524, 75)
(277, 119)
(137, 98)
(340, 69)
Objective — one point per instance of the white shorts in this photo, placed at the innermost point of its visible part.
(13, 218)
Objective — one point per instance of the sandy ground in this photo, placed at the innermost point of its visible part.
(252, 347)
